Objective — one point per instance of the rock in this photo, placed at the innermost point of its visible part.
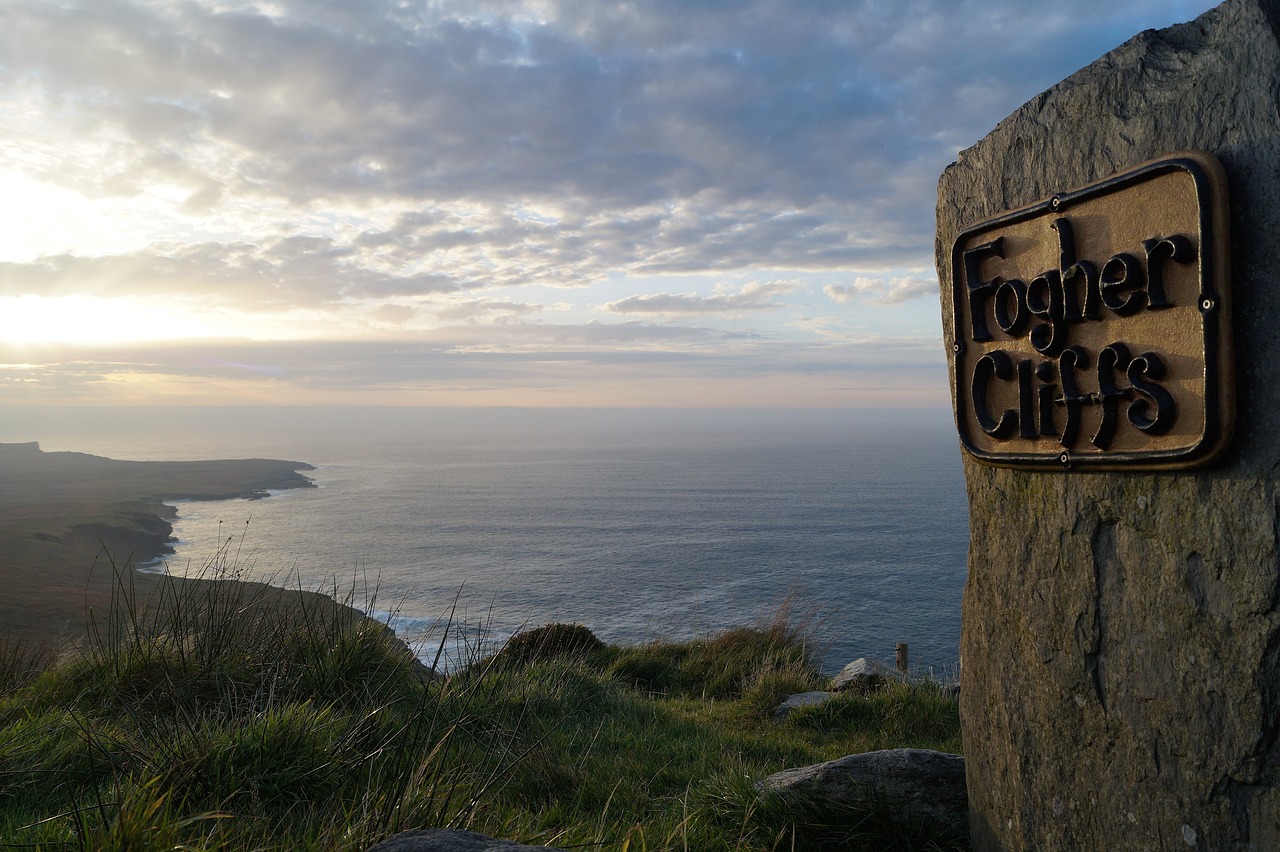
(802, 699)
(448, 840)
(866, 674)
(1121, 638)
(925, 784)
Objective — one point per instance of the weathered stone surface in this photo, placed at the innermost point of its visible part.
(1120, 647)
(802, 699)
(925, 784)
(448, 840)
(866, 674)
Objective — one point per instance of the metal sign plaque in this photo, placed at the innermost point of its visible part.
(1093, 329)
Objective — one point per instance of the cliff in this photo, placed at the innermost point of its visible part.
(65, 518)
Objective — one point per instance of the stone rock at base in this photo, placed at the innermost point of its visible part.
(866, 674)
(925, 784)
(801, 699)
(449, 840)
(1121, 636)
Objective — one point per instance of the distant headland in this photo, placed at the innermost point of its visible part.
(65, 517)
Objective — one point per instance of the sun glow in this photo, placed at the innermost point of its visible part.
(91, 320)
(39, 219)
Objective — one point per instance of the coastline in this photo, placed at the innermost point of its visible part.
(153, 537)
(69, 522)
(156, 539)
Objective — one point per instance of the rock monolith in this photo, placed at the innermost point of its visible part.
(1120, 648)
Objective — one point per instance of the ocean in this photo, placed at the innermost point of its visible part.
(641, 525)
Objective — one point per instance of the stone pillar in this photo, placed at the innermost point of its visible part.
(1121, 638)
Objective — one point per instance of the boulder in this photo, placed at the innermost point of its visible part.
(866, 674)
(924, 784)
(1121, 638)
(802, 699)
(449, 840)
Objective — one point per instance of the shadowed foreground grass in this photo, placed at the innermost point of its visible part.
(245, 718)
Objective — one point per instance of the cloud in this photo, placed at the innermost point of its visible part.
(751, 297)
(275, 274)
(392, 314)
(589, 365)
(487, 310)
(430, 170)
(883, 291)
(700, 123)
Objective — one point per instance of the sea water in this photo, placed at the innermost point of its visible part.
(641, 525)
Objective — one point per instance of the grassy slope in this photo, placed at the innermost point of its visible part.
(232, 715)
(230, 724)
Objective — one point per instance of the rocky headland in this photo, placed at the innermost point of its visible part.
(70, 523)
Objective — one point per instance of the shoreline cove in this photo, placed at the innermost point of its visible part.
(71, 522)
(156, 544)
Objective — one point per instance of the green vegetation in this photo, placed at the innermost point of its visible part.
(228, 715)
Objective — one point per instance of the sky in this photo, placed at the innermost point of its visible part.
(560, 203)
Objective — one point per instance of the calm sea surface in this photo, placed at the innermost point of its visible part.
(639, 525)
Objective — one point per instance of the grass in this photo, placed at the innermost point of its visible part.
(229, 715)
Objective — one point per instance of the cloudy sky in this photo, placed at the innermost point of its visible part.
(498, 202)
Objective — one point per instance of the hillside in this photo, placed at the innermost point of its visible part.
(224, 726)
(64, 517)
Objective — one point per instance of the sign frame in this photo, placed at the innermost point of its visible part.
(1215, 411)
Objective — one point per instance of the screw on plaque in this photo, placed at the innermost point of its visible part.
(1055, 202)
(1065, 458)
(1208, 303)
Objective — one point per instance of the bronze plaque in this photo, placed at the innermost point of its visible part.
(1093, 329)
